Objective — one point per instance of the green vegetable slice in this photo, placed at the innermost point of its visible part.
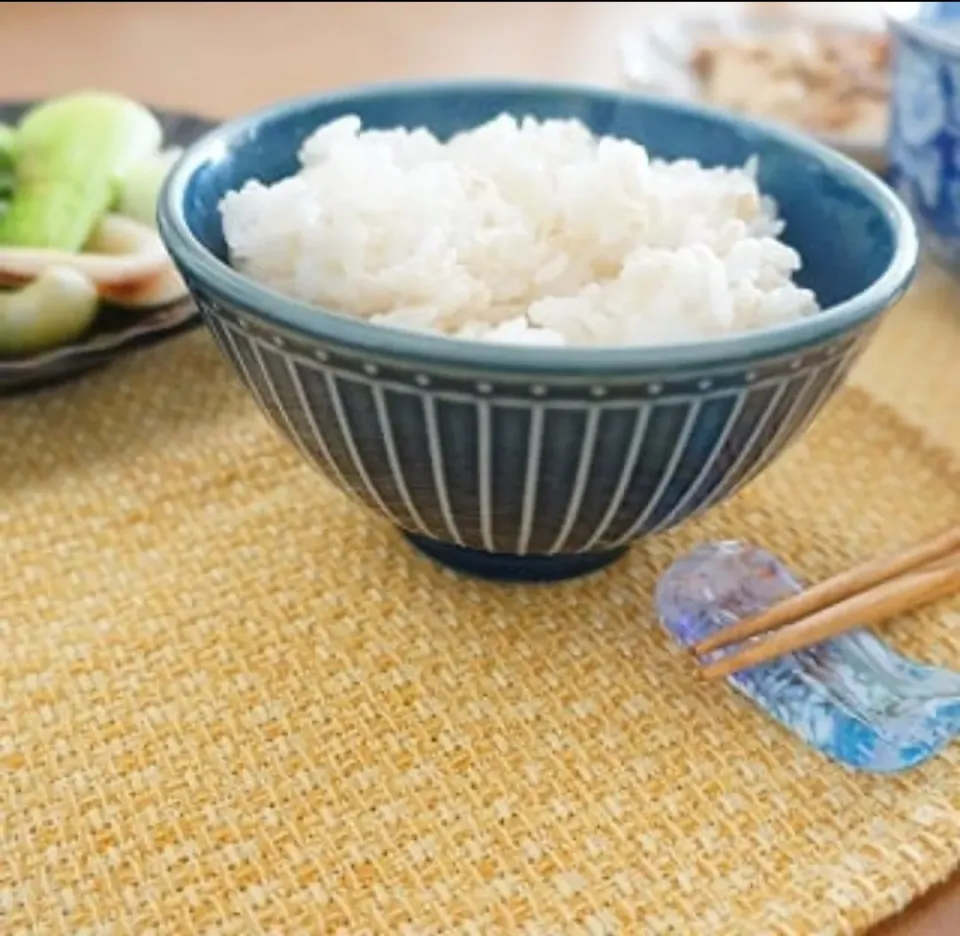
(140, 187)
(69, 155)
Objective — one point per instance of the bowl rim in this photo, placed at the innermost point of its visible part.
(393, 343)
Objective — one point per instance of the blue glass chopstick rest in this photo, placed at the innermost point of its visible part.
(852, 698)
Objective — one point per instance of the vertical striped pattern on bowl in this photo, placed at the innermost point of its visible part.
(520, 467)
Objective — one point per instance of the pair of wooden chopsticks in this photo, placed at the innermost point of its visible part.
(864, 595)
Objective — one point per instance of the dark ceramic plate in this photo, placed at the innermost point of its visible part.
(116, 331)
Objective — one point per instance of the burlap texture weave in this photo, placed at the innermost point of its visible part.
(234, 703)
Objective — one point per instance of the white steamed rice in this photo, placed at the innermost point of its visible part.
(521, 232)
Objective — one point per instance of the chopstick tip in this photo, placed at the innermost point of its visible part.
(711, 672)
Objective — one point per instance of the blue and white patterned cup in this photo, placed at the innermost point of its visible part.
(924, 142)
(519, 462)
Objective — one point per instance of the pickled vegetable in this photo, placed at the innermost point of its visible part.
(6, 164)
(58, 306)
(69, 156)
(140, 187)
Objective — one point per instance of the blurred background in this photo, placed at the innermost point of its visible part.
(224, 57)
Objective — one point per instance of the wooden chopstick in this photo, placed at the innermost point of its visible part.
(885, 600)
(834, 590)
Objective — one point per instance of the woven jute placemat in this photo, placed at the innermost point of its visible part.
(234, 703)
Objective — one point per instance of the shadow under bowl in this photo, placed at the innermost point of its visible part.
(539, 464)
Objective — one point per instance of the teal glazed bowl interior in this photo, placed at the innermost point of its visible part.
(546, 463)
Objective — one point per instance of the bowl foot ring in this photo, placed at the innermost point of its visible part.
(505, 567)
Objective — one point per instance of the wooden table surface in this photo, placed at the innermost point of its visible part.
(225, 58)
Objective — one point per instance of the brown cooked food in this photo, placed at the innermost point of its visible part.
(823, 80)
